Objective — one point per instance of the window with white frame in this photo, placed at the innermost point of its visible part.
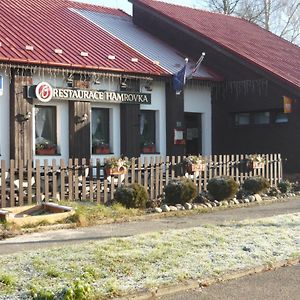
(147, 131)
(100, 131)
(45, 130)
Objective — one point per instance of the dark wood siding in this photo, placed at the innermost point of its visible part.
(79, 126)
(282, 138)
(275, 138)
(174, 117)
(130, 136)
(20, 129)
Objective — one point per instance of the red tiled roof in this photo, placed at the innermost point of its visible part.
(248, 41)
(51, 24)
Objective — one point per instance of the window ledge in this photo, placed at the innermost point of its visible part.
(110, 153)
(57, 154)
(150, 153)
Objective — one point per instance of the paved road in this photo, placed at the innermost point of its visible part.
(281, 284)
(65, 236)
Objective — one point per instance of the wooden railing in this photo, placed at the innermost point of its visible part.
(38, 181)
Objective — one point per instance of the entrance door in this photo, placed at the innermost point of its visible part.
(193, 133)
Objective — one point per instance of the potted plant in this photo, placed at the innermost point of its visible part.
(194, 163)
(148, 147)
(100, 147)
(45, 148)
(115, 166)
(258, 161)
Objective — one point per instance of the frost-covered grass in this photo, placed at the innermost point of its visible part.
(121, 265)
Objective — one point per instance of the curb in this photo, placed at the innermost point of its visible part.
(200, 283)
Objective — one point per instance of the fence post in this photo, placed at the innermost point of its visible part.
(46, 180)
(275, 170)
(271, 169)
(156, 177)
(3, 184)
(38, 181)
(76, 189)
(12, 185)
(62, 179)
(54, 179)
(161, 175)
(84, 173)
(151, 178)
(139, 175)
(146, 174)
(280, 167)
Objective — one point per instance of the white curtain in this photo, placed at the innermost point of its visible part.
(142, 123)
(95, 122)
(40, 120)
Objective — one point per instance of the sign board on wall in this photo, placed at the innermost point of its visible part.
(287, 105)
(45, 92)
(1, 85)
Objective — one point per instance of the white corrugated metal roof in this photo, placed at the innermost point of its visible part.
(143, 42)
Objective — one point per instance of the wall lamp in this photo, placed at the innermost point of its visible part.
(148, 86)
(81, 119)
(23, 117)
(124, 84)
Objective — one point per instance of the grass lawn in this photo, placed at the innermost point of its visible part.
(101, 269)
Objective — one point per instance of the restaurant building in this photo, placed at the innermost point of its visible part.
(256, 108)
(82, 81)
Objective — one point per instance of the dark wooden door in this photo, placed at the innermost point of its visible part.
(79, 123)
(193, 133)
(130, 136)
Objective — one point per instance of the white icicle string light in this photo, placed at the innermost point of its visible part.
(54, 72)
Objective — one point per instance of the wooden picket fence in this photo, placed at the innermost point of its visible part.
(38, 181)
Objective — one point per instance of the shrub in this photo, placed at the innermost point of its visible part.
(222, 187)
(132, 196)
(180, 191)
(241, 193)
(285, 186)
(256, 185)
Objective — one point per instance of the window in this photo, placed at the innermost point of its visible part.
(45, 130)
(242, 119)
(262, 117)
(147, 131)
(281, 117)
(100, 131)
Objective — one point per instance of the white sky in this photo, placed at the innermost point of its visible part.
(126, 6)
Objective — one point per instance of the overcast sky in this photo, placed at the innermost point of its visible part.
(126, 6)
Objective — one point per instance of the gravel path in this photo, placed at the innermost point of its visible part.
(66, 236)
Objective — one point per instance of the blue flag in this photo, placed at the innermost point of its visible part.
(179, 80)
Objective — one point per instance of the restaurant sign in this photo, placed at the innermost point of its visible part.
(45, 92)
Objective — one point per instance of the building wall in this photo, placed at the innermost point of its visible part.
(111, 84)
(4, 119)
(198, 100)
(257, 138)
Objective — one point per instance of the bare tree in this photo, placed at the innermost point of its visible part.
(226, 7)
(281, 17)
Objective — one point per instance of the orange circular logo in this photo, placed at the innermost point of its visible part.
(44, 92)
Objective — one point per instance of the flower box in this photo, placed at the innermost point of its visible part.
(258, 165)
(46, 151)
(149, 149)
(192, 168)
(101, 150)
(115, 171)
